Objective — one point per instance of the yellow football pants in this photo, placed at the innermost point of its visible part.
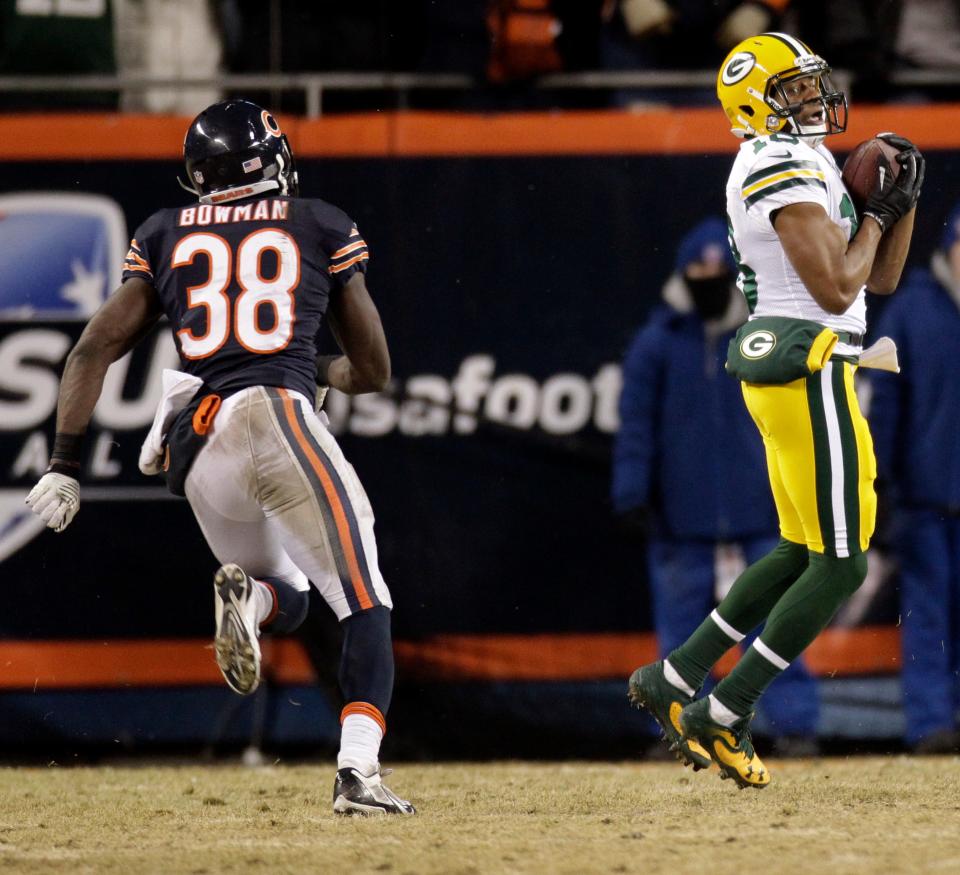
(819, 458)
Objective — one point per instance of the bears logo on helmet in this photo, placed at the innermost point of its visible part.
(753, 85)
(236, 149)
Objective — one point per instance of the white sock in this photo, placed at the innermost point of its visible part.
(360, 738)
(720, 713)
(674, 679)
(263, 600)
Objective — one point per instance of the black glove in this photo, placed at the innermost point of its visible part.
(906, 149)
(891, 199)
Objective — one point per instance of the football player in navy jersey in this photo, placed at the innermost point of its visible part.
(246, 277)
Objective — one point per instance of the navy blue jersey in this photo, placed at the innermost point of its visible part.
(246, 285)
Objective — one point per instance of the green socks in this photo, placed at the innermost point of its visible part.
(750, 600)
(797, 618)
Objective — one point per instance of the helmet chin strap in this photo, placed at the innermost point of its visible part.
(186, 187)
(812, 137)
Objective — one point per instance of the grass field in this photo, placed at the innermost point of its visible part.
(870, 815)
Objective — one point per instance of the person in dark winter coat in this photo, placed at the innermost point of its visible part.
(915, 420)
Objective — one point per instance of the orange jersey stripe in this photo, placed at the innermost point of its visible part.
(363, 256)
(135, 258)
(146, 270)
(340, 517)
(350, 247)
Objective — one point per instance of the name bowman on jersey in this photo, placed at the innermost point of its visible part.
(249, 281)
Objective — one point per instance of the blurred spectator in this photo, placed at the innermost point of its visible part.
(169, 39)
(532, 37)
(524, 39)
(872, 40)
(915, 420)
(678, 35)
(929, 34)
(285, 36)
(689, 470)
(56, 38)
(928, 38)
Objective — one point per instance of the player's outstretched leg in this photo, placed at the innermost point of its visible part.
(730, 746)
(235, 644)
(649, 688)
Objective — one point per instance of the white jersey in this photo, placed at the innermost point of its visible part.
(770, 173)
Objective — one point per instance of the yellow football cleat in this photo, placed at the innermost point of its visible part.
(649, 689)
(730, 746)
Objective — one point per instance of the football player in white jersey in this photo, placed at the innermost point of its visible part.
(806, 260)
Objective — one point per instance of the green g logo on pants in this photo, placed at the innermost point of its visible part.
(757, 344)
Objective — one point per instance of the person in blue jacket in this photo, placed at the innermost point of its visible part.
(915, 420)
(689, 468)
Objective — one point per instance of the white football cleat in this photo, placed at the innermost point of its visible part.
(235, 644)
(355, 793)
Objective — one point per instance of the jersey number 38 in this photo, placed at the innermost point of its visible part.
(257, 291)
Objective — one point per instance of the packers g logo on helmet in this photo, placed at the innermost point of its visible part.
(750, 88)
(737, 67)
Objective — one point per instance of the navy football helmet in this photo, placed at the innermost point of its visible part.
(235, 149)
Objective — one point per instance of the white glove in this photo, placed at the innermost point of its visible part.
(56, 500)
(321, 396)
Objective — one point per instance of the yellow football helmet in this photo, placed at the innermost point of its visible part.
(750, 86)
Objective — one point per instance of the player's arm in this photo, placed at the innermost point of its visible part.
(114, 329)
(832, 269)
(356, 326)
(893, 248)
(891, 257)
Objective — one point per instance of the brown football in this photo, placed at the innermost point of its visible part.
(860, 168)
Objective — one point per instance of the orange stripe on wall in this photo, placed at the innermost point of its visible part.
(118, 663)
(868, 650)
(697, 131)
(558, 657)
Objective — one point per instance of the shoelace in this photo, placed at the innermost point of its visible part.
(745, 741)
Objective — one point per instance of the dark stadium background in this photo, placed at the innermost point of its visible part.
(496, 543)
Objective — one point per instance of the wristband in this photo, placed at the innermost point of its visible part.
(65, 458)
(323, 369)
(876, 219)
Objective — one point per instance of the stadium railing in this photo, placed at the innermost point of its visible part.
(314, 86)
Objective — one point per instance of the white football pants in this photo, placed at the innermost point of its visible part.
(272, 491)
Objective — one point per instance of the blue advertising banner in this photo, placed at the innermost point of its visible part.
(509, 288)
